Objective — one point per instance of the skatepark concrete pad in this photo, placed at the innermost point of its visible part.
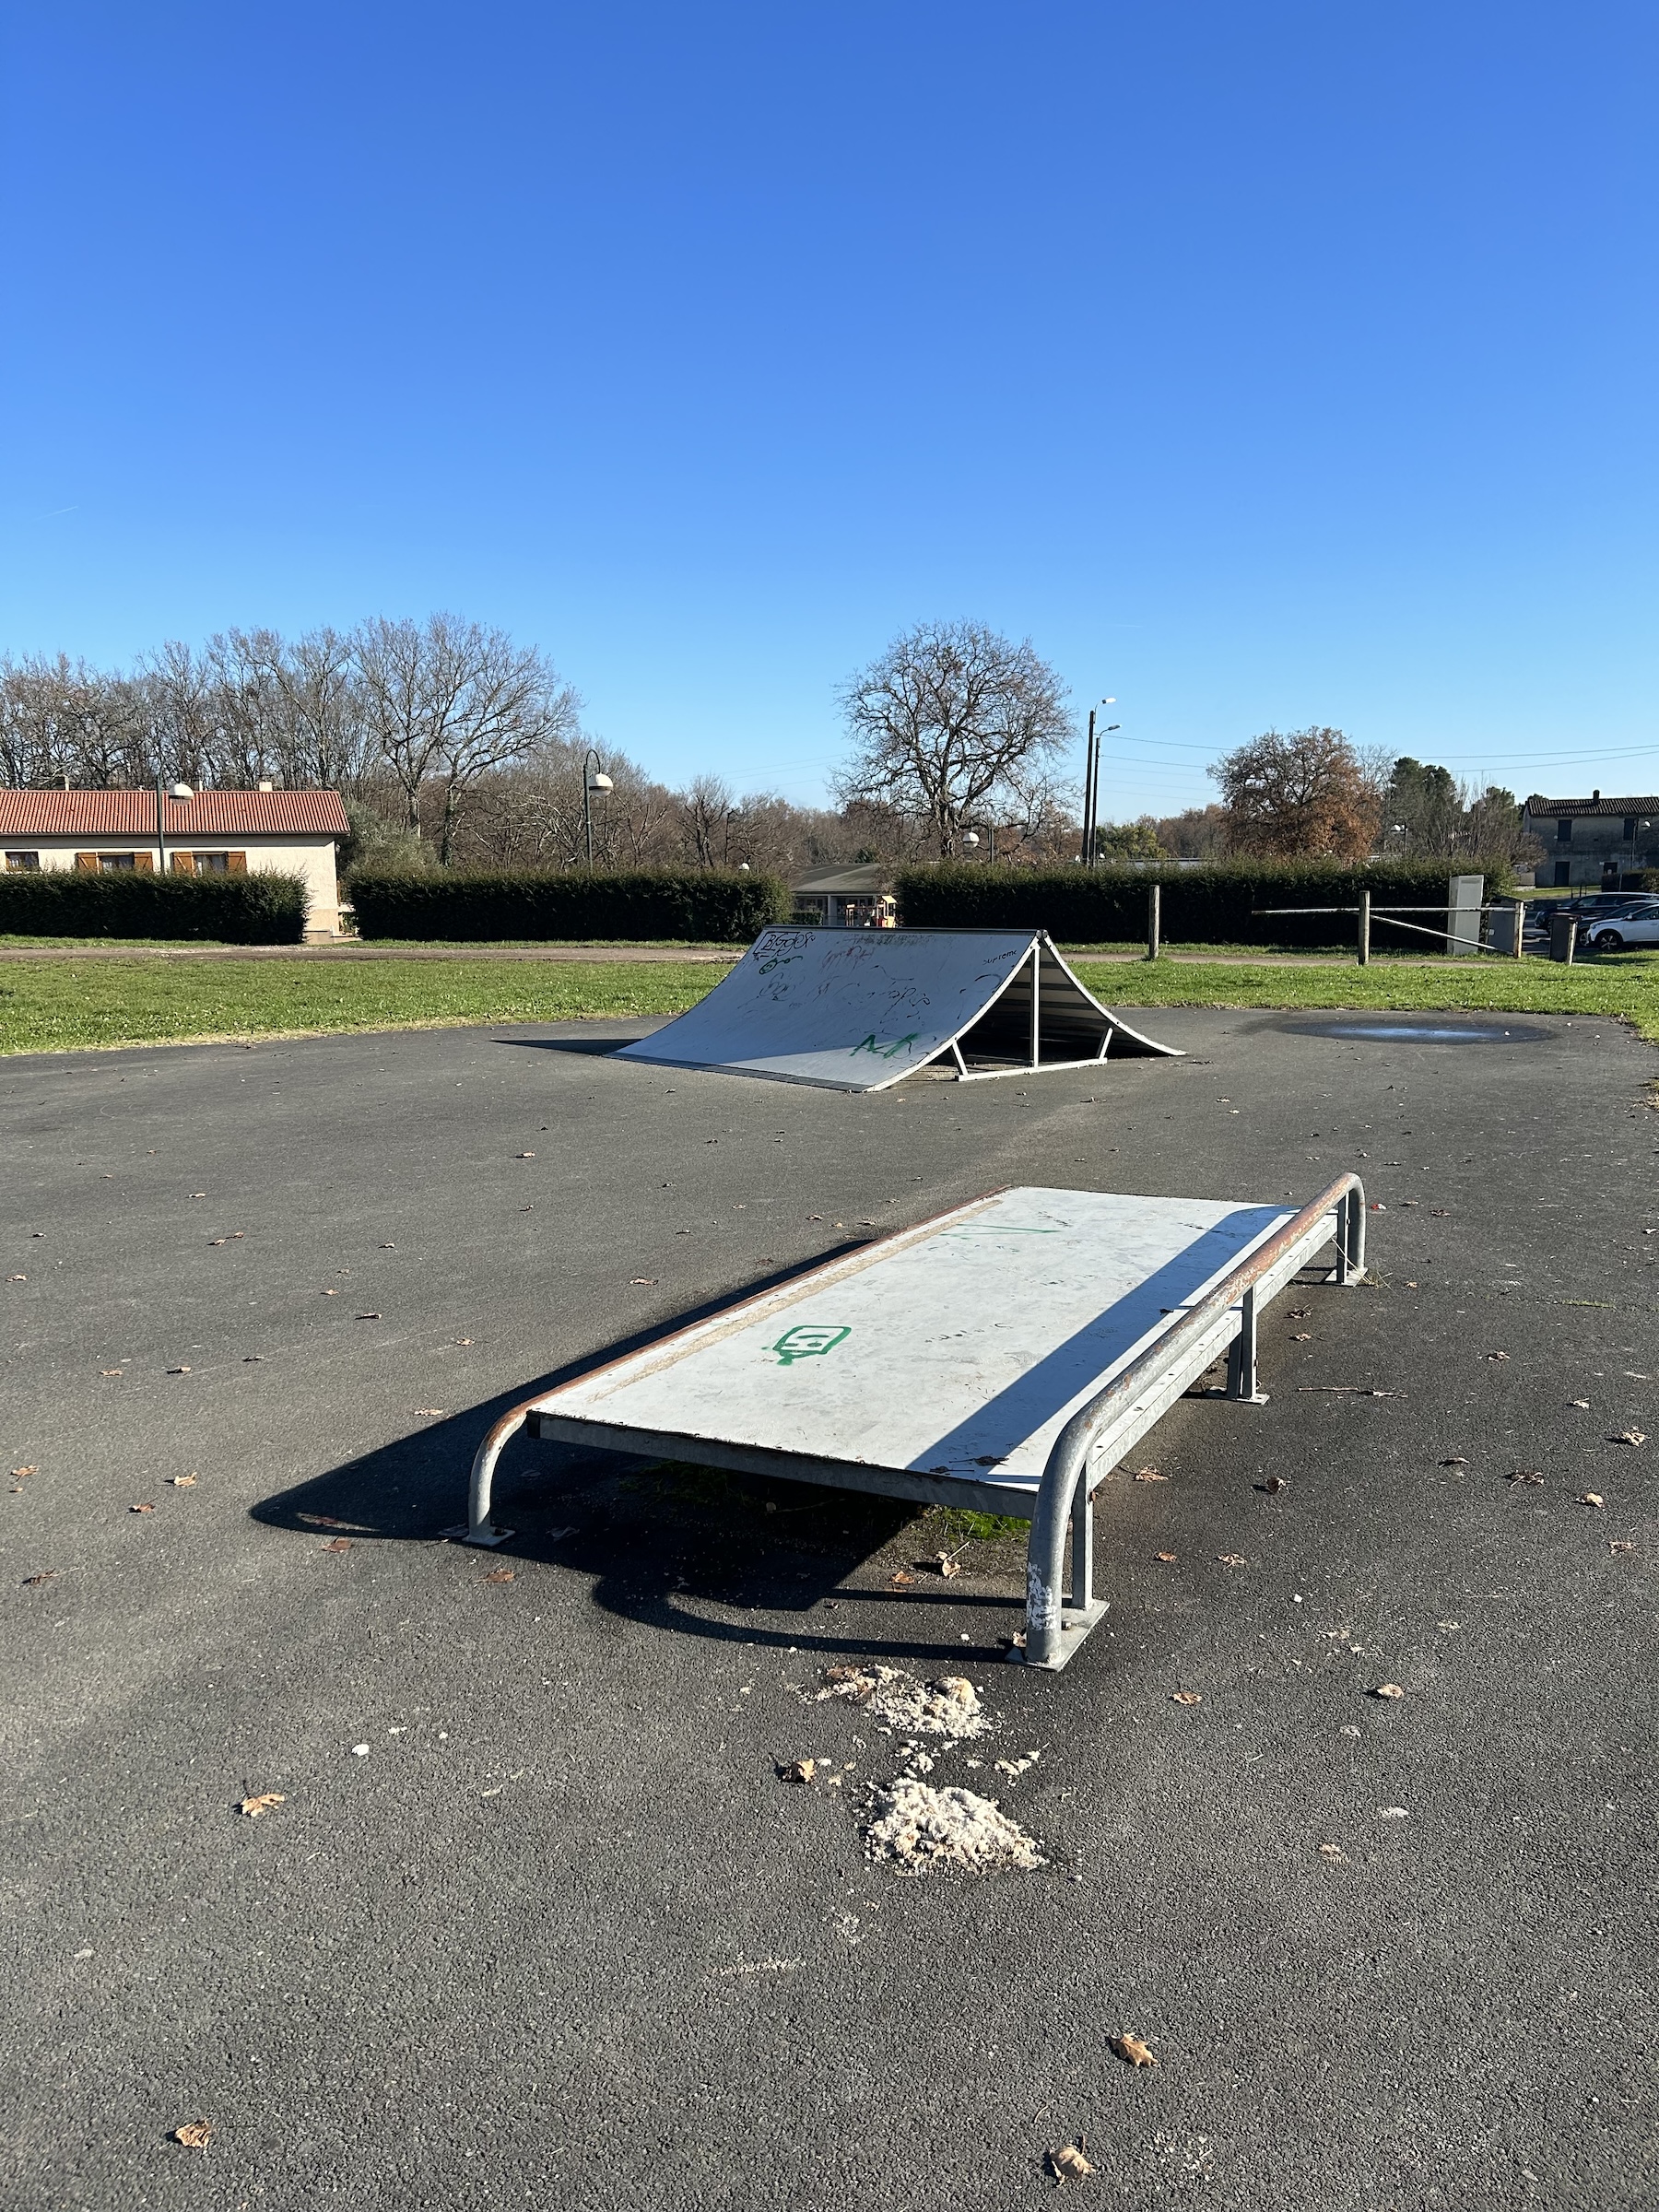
(859, 1010)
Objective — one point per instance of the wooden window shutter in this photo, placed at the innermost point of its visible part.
(88, 861)
(185, 864)
(236, 864)
(145, 862)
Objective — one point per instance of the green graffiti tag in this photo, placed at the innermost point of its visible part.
(807, 1340)
(884, 1051)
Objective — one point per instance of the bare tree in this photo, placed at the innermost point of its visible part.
(63, 719)
(1305, 795)
(449, 701)
(705, 817)
(944, 720)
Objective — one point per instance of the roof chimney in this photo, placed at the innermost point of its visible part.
(264, 784)
(1595, 798)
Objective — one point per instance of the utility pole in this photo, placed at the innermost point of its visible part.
(1091, 783)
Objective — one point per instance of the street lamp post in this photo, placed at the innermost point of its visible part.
(1091, 783)
(593, 779)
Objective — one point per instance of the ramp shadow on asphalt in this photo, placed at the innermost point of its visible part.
(661, 1541)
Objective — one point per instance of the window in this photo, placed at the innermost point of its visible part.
(18, 862)
(1563, 873)
(1564, 831)
(220, 863)
(107, 863)
(1629, 829)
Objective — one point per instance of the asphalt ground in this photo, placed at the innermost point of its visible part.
(563, 1936)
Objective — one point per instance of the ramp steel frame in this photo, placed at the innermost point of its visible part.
(1091, 1444)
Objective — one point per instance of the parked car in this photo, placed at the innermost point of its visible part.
(1591, 910)
(1636, 924)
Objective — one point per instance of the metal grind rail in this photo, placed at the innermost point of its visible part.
(1004, 1356)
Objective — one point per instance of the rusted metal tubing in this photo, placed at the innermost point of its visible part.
(478, 1530)
(1068, 1460)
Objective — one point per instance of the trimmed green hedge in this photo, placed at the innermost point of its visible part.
(1210, 905)
(255, 908)
(454, 906)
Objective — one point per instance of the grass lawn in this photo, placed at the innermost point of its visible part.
(1619, 983)
(65, 1004)
(60, 1006)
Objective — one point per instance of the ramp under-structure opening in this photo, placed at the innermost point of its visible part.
(860, 1011)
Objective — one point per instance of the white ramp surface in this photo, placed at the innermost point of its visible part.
(957, 1348)
(861, 1010)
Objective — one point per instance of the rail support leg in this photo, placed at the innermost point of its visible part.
(1055, 1632)
(1350, 1240)
(479, 1528)
(1082, 1538)
(1241, 1356)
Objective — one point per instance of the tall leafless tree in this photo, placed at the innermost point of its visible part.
(945, 722)
(450, 700)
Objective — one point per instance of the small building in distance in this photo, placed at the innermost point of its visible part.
(210, 833)
(1595, 843)
(859, 897)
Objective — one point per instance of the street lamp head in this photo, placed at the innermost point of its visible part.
(599, 780)
(1112, 726)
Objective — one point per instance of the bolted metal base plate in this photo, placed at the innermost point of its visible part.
(1075, 1625)
(486, 1536)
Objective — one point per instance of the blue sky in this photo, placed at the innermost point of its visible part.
(1263, 365)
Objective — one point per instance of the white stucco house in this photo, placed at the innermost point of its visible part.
(211, 832)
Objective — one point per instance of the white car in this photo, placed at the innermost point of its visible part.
(1638, 924)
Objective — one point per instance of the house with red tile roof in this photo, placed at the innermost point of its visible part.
(185, 833)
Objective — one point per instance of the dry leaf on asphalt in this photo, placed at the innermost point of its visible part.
(252, 1807)
(1619, 1543)
(1274, 1485)
(802, 1770)
(1132, 2051)
(194, 2133)
(1150, 1475)
(526, 1156)
(1167, 1557)
(1069, 2164)
(1629, 1436)
(337, 1543)
(1528, 1474)
(19, 1473)
(1592, 1497)
(501, 1574)
(178, 1371)
(1388, 1690)
(1496, 1355)
(16, 1278)
(947, 1564)
(1302, 1336)
(183, 1482)
(903, 1580)
(109, 1370)
(1581, 1404)
(1456, 1460)
(463, 1340)
(368, 1316)
(1231, 1559)
(1333, 1852)
(430, 1413)
(643, 1282)
(32, 1581)
(1186, 1697)
(141, 1508)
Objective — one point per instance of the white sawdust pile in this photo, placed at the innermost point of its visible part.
(948, 1707)
(922, 1830)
